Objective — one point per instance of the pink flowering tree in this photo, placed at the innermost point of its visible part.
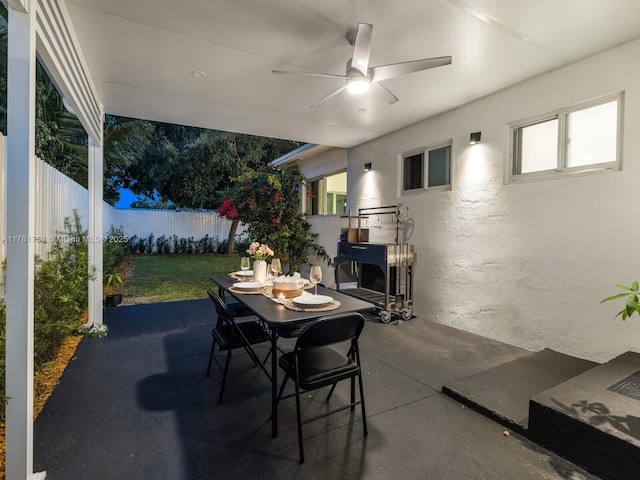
(268, 203)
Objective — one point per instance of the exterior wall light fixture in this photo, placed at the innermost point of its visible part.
(367, 167)
(475, 138)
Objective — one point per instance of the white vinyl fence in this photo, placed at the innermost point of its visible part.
(167, 223)
(58, 197)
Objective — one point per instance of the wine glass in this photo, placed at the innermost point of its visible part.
(244, 265)
(315, 276)
(276, 267)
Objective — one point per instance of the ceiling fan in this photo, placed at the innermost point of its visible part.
(360, 77)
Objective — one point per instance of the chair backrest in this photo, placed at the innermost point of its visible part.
(330, 330)
(224, 314)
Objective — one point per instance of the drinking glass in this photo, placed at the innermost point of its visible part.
(276, 267)
(244, 264)
(315, 276)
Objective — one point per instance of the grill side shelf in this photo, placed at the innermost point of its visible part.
(372, 296)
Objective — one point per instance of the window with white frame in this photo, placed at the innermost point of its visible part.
(327, 195)
(580, 139)
(427, 168)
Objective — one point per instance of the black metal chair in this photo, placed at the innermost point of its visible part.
(236, 308)
(315, 363)
(230, 335)
(285, 331)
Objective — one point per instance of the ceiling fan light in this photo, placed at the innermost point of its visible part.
(357, 85)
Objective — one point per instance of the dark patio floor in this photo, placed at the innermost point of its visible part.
(137, 405)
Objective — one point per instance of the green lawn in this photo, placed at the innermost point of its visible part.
(167, 278)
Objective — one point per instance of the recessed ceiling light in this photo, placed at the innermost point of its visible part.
(198, 74)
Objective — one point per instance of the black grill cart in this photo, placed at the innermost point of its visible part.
(378, 272)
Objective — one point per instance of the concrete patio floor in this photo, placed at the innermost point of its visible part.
(137, 405)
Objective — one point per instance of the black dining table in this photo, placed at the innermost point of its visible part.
(275, 315)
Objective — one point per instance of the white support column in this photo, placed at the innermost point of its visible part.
(96, 175)
(21, 193)
(3, 200)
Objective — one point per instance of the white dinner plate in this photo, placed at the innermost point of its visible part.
(245, 273)
(248, 285)
(312, 300)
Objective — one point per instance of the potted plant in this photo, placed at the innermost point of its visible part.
(632, 304)
(113, 299)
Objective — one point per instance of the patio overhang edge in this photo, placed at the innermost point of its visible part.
(305, 151)
(58, 48)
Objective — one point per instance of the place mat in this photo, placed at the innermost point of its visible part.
(249, 291)
(289, 303)
(235, 276)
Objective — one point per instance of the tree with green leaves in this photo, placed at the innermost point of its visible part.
(194, 168)
(198, 171)
(151, 176)
(125, 141)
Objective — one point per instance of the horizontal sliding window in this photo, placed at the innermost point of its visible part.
(584, 138)
(426, 168)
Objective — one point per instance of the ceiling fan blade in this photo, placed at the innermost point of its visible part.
(362, 48)
(320, 102)
(309, 74)
(383, 93)
(384, 72)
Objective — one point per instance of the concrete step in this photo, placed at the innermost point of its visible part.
(594, 418)
(503, 392)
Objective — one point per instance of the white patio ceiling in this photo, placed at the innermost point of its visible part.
(141, 55)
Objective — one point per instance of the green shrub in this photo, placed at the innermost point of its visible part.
(150, 242)
(163, 245)
(175, 244)
(222, 247)
(60, 291)
(205, 245)
(114, 248)
(241, 245)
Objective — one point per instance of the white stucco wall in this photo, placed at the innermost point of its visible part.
(526, 264)
(326, 226)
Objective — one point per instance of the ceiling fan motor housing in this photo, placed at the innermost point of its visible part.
(356, 81)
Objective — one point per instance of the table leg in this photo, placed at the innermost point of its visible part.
(274, 384)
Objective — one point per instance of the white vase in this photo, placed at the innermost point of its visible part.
(260, 271)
